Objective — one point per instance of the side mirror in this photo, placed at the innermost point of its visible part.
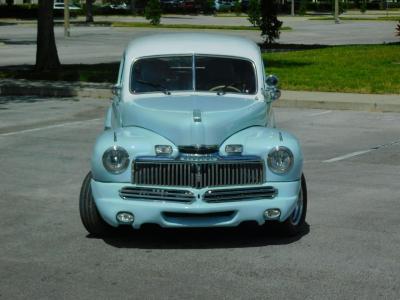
(271, 91)
(272, 80)
(116, 90)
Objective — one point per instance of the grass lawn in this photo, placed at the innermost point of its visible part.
(386, 18)
(189, 26)
(359, 69)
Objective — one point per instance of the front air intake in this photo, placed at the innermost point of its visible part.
(198, 174)
(198, 149)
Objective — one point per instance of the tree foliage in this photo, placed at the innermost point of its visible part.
(237, 7)
(269, 25)
(254, 12)
(208, 7)
(152, 12)
(46, 49)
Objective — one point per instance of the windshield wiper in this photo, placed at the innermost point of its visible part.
(158, 86)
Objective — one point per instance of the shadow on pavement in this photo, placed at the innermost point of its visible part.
(283, 63)
(177, 17)
(277, 47)
(30, 99)
(154, 237)
(7, 24)
(13, 42)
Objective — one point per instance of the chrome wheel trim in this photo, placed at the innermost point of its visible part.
(298, 210)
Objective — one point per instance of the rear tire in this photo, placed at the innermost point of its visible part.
(296, 222)
(90, 216)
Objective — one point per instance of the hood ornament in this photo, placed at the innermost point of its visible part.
(197, 115)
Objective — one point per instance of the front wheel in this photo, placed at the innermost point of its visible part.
(296, 222)
(90, 216)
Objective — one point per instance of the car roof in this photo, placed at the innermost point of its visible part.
(189, 43)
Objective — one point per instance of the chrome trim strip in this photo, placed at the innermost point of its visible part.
(197, 115)
(193, 72)
(242, 194)
(160, 194)
(206, 157)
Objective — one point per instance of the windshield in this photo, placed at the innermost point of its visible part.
(175, 73)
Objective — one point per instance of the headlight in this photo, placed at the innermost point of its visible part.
(280, 160)
(115, 159)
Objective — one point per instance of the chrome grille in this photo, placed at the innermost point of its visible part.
(182, 196)
(229, 195)
(198, 174)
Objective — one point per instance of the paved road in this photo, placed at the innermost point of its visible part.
(106, 44)
(350, 251)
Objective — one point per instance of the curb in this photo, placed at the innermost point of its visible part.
(340, 101)
(289, 99)
(337, 105)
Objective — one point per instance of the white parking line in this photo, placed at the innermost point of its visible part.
(357, 153)
(320, 113)
(48, 127)
(346, 156)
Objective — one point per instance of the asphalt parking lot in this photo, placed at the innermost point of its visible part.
(351, 249)
(100, 44)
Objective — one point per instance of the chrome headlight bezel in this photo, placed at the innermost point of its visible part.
(280, 160)
(115, 160)
(234, 149)
(163, 150)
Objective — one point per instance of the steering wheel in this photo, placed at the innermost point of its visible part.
(228, 87)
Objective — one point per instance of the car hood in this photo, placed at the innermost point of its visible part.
(194, 120)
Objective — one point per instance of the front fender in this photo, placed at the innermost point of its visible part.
(137, 141)
(107, 119)
(260, 141)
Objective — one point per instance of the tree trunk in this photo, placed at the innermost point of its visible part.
(46, 49)
(133, 7)
(89, 11)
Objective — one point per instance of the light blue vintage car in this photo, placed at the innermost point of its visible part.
(190, 141)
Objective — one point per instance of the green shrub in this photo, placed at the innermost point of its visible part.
(270, 25)
(237, 7)
(152, 12)
(254, 12)
(363, 6)
(208, 7)
(303, 7)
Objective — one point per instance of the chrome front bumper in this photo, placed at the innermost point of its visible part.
(188, 207)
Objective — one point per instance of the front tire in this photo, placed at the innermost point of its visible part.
(296, 222)
(90, 216)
